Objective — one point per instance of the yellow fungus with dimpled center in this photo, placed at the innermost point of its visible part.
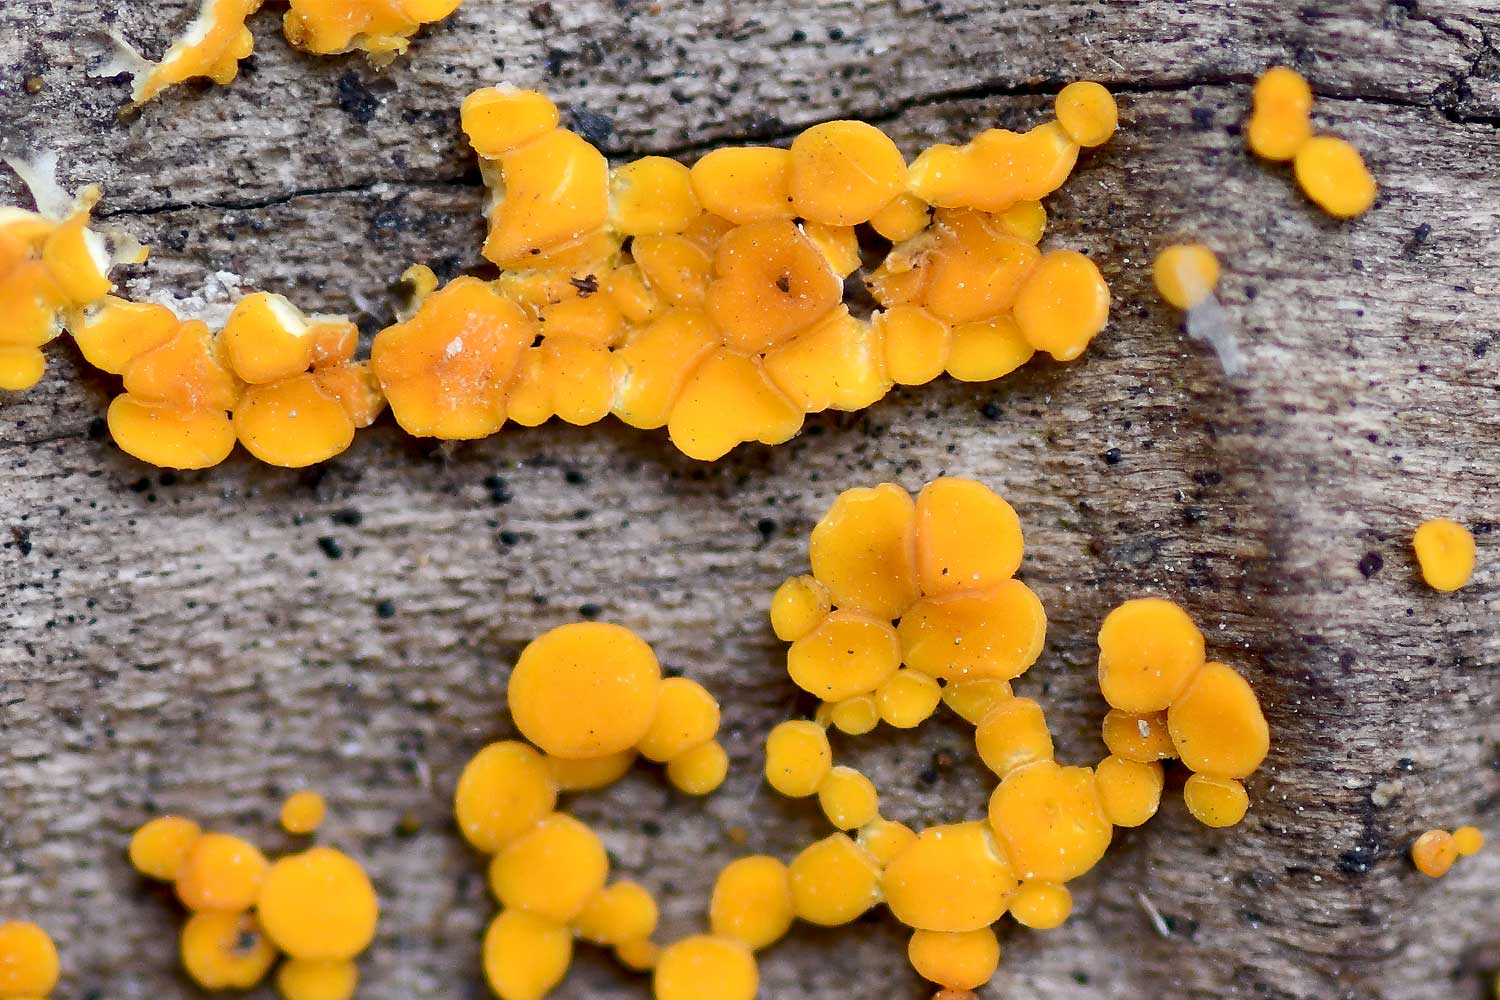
(226, 950)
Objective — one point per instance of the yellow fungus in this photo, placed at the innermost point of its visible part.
(996, 169)
(687, 717)
(447, 368)
(585, 690)
(917, 344)
(699, 770)
(973, 699)
(855, 716)
(864, 551)
(164, 436)
(292, 423)
(977, 268)
(1279, 123)
(727, 401)
(1129, 790)
(221, 873)
(1185, 274)
(226, 950)
(706, 967)
(845, 655)
(497, 120)
(1332, 173)
(587, 773)
(29, 965)
(950, 878)
(318, 904)
(907, 699)
(961, 961)
(639, 956)
(503, 791)
(20, 368)
(903, 217)
(553, 869)
(1087, 112)
(620, 913)
(1143, 738)
(302, 812)
(1063, 304)
(968, 537)
(835, 364)
(987, 349)
(752, 902)
(883, 839)
(1434, 852)
(1468, 840)
(267, 338)
(745, 184)
(116, 332)
(1148, 651)
(1025, 220)
(770, 282)
(1050, 821)
(159, 847)
(965, 635)
(848, 798)
(303, 979)
(1216, 724)
(652, 196)
(656, 363)
(549, 204)
(526, 955)
(1215, 802)
(1041, 905)
(1012, 735)
(833, 881)
(843, 172)
(382, 29)
(211, 46)
(1445, 554)
(798, 758)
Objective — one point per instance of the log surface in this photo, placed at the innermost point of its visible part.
(204, 643)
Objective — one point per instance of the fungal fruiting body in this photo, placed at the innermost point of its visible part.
(941, 567)
(1186, 275)
(706, 300)
(590, 698)
(1329, 170)
(1435, 851)
(29, 966)
(54, 267)
(218, 38)
(315, 911)
(1445, 554)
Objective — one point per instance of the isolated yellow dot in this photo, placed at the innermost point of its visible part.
(302, 812)
(1185, 274)
(1087, 112)
(1445, 553)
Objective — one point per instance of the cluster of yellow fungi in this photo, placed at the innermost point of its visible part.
(1329, 169)
(29, 966)
(217, 39)
(1435, 851)
(590, 697)
(708, 300)
(941, 567)
(316, 907)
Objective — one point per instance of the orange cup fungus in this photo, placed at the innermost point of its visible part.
(1330, 171)
(1445, 554)
(707, 299)
(315, 911)
(217, 39)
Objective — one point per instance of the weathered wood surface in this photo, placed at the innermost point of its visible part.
(184, 643)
